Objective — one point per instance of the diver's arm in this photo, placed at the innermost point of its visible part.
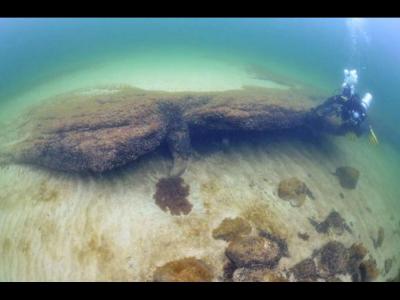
(362, 128)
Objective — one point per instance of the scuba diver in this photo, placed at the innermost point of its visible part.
(347, 112)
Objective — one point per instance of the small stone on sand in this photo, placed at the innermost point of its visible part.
(348, 177)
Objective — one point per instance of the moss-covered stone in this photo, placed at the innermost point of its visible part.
(228, 270)
(294, 190)
(231, 229)
(306, 270)
(187, 269)
(357, 252)
(334, 223)
(258, 275)
(348, 177)
(282, 244)
(334, 258)
(369, 270)
(253, 251)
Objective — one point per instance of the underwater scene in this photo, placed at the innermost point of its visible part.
(199, 149)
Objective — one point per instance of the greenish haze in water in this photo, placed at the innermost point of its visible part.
(33, 51)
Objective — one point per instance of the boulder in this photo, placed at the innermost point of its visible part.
(188, 269)
(89, 132)
(294, 190)
(334, 258)
(334, 222)
(231, 229)
(171, 195)
(305, 270)
(369, 270)
(348, 177)
(258, 275)
(253, 251)
(357, 252)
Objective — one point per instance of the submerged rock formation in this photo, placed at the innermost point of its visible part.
(258, 275)
(255, 258)
(294, 190)
(231, 229)
(253, 251)
(188, 269)
(88, 131)
(334, 222)
(334, 259)
(368, 270)
(348, 177)
(171, 195)
(306, 270)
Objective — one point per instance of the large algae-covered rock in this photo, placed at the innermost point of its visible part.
(93, 133)
(187, 269)
(357, 252)
(305, 270)
(86, 131)
(334, 258)
(171, 195)
(253, 251)
(294, 190)
(348, 177)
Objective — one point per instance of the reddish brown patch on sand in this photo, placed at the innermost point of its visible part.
(171, 195)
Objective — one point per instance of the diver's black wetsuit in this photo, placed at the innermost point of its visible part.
(348, 109)
(354, 115)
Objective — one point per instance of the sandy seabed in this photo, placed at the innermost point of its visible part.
(57, 227)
